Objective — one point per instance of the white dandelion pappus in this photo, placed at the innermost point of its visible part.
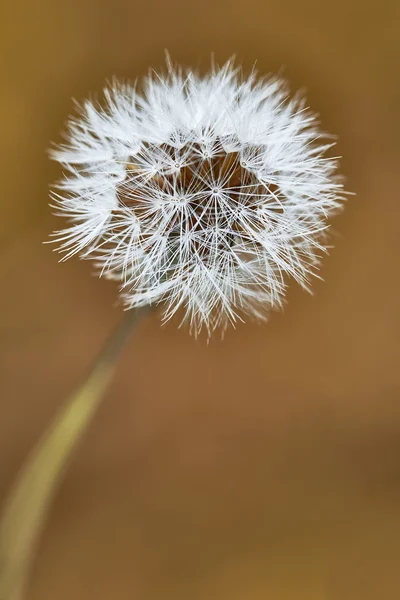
(203, 193)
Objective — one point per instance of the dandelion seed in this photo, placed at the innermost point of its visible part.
(203, 194)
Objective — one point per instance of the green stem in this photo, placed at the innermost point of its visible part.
(34, 488)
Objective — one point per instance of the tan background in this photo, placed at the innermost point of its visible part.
(263, 467)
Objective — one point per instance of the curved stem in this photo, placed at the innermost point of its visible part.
(30, 496)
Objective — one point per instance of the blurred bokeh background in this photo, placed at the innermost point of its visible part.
(266, 466)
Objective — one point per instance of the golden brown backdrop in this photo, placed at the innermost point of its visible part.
(266, 466)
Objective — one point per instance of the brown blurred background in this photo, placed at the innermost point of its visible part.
(266, 466)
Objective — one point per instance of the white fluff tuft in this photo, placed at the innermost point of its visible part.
(203, 193)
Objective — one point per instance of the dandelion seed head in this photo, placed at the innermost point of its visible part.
(205, 194)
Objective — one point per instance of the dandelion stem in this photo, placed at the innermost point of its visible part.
(36, 483)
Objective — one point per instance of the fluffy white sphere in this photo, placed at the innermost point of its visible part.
(200, 193)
